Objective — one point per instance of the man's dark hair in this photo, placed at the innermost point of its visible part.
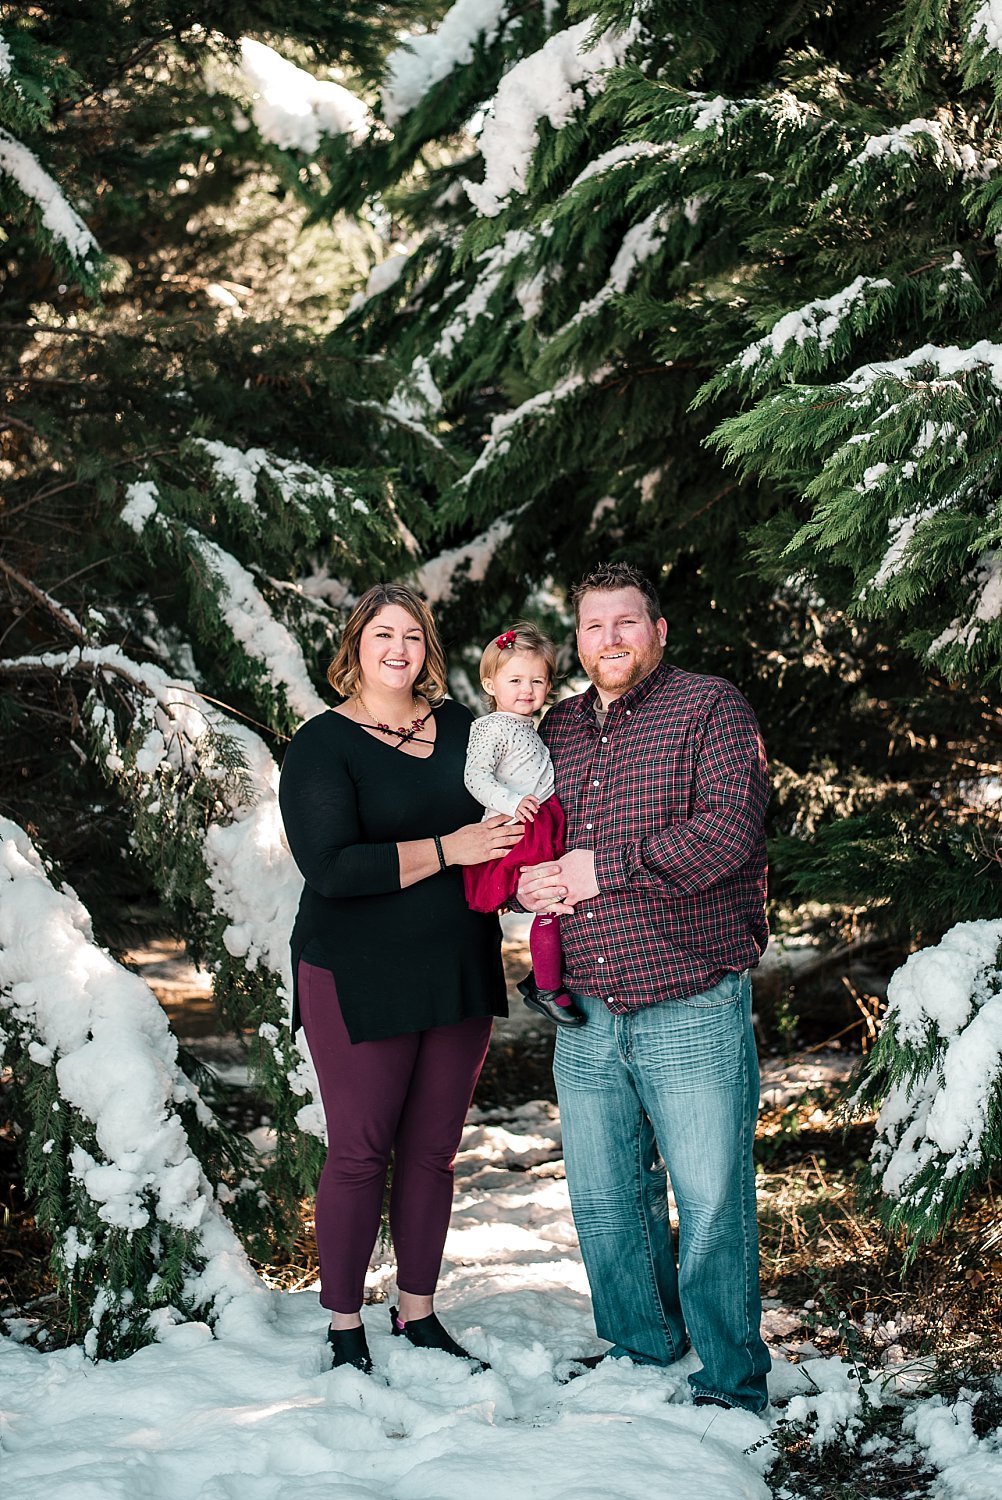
(610, 577)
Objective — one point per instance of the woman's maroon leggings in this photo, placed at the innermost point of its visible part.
(407, 1095)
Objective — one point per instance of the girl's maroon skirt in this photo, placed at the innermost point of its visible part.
(491, 885)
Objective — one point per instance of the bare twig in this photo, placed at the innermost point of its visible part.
(40, 597)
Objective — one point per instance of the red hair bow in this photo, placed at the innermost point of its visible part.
(507, 639)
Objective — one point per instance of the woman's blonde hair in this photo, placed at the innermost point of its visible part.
(523, 636)
(344, 671)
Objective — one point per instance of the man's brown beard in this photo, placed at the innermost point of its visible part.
(642, 666)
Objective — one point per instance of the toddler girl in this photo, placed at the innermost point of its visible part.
(508, 770)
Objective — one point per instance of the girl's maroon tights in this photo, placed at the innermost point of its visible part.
(547, 956)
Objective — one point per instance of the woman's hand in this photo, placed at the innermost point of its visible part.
(527, 809)
(476, 842)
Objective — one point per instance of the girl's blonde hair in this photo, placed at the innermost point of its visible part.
(522, 636)
(344, 671)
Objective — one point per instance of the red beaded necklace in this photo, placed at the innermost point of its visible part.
(404, 735)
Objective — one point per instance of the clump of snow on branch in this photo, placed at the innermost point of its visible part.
(58, 216)
(294, 110)
(900, 530)
(618, 156)
(295, 481)
(241, 605)
(539, 405)
(251, 872)
(551, 84)
(140, 505)
(422, 61)
(936, 362)
(6, 63)
(107, 1037)
(986, 605)
(949, 994)
(437, 578)
(712, 114)
(904, 140)
(385, 274)
(819, 320)
(640, 242)
(253, 625)
(987, 22)
(417, 395)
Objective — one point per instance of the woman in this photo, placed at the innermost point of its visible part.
(396, 979)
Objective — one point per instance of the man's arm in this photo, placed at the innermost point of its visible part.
(730, 795)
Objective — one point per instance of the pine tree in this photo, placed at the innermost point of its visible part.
(198, 471)
(714, 287)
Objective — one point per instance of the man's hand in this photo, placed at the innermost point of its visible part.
(577, 875)
(541, 888)
(558, 888)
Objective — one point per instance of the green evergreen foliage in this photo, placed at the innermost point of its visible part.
(112, 1161)
(710, 287)
(728, 310)
(197, 470)
(936, 1075)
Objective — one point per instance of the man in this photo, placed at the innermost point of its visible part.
(662, 776)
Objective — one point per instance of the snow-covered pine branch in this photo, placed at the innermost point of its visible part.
(27, 188)
(139, 1238)
(552, 84)
(203, 793)
(294, 110)
(906, 491)
(506, 455)
(242, 612)
(426, 59)
(936, 1072)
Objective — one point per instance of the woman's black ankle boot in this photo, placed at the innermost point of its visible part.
(349, 1348)
(428, 1333)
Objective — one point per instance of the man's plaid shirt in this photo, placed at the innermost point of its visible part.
(671, 796)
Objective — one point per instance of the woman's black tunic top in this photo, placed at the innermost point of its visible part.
(402, 960)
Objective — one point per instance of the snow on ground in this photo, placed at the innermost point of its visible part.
(256, 1414)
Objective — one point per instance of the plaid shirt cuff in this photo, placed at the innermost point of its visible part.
(613, 866)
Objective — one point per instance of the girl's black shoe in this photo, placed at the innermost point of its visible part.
(428, 1333)
(349, 1348)
(545, 1002)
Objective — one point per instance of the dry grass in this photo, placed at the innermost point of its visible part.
(821, 1244)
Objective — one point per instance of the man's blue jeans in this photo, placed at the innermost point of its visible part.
(680, 1077)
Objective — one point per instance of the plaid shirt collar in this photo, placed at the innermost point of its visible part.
(630, 700)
